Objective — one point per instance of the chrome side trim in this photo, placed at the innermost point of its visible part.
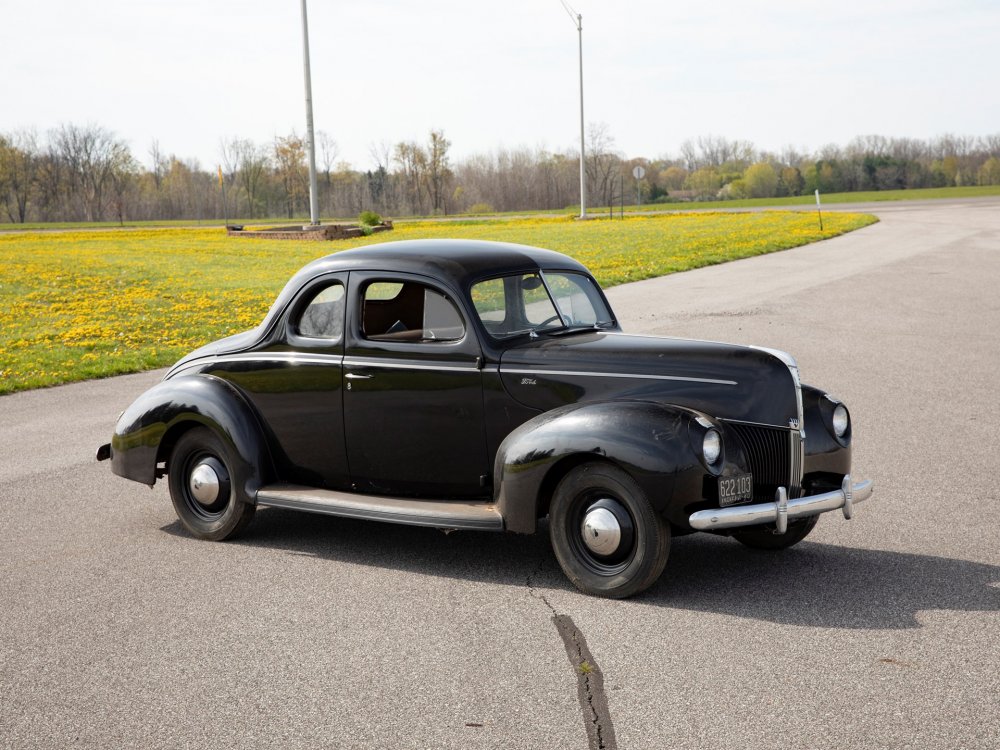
(402, 364)
(578, 373)
(292, 358)
(850, 494)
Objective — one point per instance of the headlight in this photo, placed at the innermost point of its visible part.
(711, 446)
(840, 420)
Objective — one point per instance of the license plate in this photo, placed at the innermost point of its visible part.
(735, 489)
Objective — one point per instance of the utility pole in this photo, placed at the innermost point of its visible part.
(578, 22)
(310, 134)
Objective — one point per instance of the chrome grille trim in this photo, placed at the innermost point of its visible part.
(768, 452)
(796, 461)
(776, 456)
(797, 438)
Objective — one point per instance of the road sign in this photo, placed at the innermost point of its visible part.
(639, 172)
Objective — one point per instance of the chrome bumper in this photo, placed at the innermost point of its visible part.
(783, 510)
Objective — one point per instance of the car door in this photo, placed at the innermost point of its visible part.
(295, 383)
(413, 402)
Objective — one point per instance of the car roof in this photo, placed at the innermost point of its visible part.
(459, 262)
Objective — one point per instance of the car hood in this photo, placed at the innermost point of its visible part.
(722, 380)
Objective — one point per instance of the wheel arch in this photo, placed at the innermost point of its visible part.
(557, 473)
(647, 440)
(149, 429)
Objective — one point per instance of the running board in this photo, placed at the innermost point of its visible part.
(482, 516)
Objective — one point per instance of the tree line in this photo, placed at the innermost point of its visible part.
(88, 173)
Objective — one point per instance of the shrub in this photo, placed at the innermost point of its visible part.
(369, 219)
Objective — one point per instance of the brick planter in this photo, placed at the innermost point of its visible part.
(322, 232)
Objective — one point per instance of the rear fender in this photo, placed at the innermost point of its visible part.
(157, 418)
(648, 440)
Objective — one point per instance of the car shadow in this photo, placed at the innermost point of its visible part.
(812, 584)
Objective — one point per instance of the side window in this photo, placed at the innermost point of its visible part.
(407, 311)
(510, 305)
(538, 308)
(323, 317)
(490, 303)
(570, 292)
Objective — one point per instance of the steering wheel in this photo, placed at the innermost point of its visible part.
(548, 320)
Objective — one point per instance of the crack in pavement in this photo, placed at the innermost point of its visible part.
(589, 678)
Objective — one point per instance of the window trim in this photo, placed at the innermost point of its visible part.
(403, 279)
(296, 309)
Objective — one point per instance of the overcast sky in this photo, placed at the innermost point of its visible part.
(800, 73)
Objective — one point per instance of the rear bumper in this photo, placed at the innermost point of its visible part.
(783, 510)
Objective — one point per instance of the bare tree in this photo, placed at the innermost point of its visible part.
(991, 145)
(247, 162)
(437, 174)
(718, 152)
(89, 154)
(329, 151)
(290, 168)
(381, 184)
(602, 164)
(412, 161)
(123, 173)
(19, 163)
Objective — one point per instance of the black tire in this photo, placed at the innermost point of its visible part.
(765, 538)
(217, 517)
(644, 537)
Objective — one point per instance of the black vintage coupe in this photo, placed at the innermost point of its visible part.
(485, 386)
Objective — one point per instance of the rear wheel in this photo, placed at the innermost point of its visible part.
(607, 537)
(203, 481)
(765, 538)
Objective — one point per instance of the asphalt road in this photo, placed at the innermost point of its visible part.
(117, 629)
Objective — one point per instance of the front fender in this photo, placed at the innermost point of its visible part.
(648, 440)
(825, 454)
(159, 415)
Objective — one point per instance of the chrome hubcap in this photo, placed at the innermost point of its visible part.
(204, 484)
(601, 531)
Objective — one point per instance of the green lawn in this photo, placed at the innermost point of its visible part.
(82, 304)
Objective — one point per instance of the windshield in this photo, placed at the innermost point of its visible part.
(539, 302)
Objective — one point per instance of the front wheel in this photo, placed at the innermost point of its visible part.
(765, 538)
(607, 537)
(203, 483)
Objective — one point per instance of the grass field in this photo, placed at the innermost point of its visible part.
(79, 305)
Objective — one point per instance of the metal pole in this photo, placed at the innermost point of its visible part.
(583, 176)
(310, 136)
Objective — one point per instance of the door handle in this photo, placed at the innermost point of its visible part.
(357, 376)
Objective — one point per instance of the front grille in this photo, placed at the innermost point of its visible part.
(773, 456)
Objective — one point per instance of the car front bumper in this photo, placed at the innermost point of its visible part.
(783, 510)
